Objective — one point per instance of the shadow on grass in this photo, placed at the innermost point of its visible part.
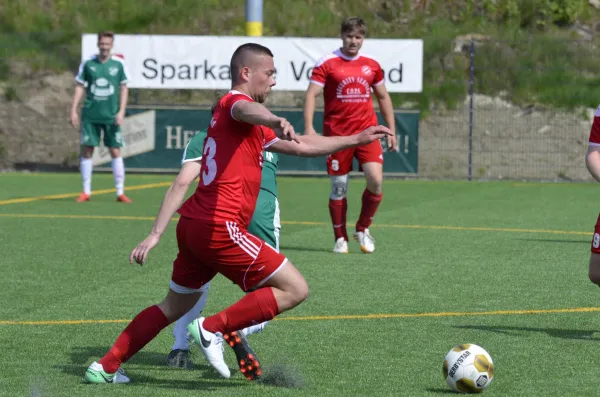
(553, 332)
(284, 248)
(440, 390)
(207, 378)
(560, 241)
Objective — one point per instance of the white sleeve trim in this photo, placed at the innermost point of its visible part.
(271, 142)
(231, 111)
(80, 71)
(317, 83)
(593, 144)
(379, 83)
(188, 160)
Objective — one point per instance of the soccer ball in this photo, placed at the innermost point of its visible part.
(468, 368)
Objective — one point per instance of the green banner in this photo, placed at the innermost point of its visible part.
(173, 128)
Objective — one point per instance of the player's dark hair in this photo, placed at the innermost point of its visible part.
(239, 59)
(354, 23)
(106, 33)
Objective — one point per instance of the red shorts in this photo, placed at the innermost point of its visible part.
(206, 250)
(596, 238)
(340, 163)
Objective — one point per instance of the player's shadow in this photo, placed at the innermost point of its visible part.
(561, 241)
(440, 390)
(574, 334)
(285, 248)
(207, 378)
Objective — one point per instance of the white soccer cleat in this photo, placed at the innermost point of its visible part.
(211, 346)
(341, 246)
(366, 241)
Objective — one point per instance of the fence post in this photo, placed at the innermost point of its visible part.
(471, 84)
(254, 17)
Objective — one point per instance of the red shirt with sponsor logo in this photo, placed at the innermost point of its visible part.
(231, 167)
(347, 84)
(595, 131)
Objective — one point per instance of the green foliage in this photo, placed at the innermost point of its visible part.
(529, 56)
(10, 94)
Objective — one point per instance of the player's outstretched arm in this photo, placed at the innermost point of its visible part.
(310, 101)
(317, 145)
(257, 114)
(171, 202)
(592, 161)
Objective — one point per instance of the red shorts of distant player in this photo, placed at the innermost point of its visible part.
(596, 237)
(340, 163)
(224, 248)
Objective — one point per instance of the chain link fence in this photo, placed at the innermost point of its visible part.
(507, 127)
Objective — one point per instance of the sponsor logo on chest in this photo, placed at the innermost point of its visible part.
(353, 89)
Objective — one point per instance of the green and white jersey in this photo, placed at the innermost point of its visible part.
(194, 148)
(103, 82)
(269, 172)
(193, 152)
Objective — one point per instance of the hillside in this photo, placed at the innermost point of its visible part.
(536, 68)
(532, 51)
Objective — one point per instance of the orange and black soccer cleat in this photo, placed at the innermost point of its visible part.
(246, 358)
(83, 197)
(124, 199)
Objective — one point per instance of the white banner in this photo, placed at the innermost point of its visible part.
(138, 132)
(202, 62)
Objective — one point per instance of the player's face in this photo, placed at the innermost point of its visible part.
(262, 78)
(352, 42)
(105, 44)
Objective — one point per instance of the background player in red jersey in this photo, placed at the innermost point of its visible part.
(592, 161)
(211, 232)
(346, 77)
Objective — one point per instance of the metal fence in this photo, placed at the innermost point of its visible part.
(487, 136)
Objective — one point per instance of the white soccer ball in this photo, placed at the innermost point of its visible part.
(468, 368)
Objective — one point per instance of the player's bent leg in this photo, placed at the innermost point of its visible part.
(338, 207)
(289, 287)
(140, 331)
(339, 165)
(371, 198)
(594, 269)
(118, 169)
(179, 357)
(177, 304)
(374, 176)
(210, 344)
(282, 291)
(85, 168)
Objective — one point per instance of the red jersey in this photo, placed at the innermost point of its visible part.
(595, 131)
(231, 167)
(347, 84)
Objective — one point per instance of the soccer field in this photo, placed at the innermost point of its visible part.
(499, 264)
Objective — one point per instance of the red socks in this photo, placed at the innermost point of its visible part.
(254, 308)
(144, 327)
(337, 210)
(370, 202)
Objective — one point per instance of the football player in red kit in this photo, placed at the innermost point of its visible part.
(346, 78)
